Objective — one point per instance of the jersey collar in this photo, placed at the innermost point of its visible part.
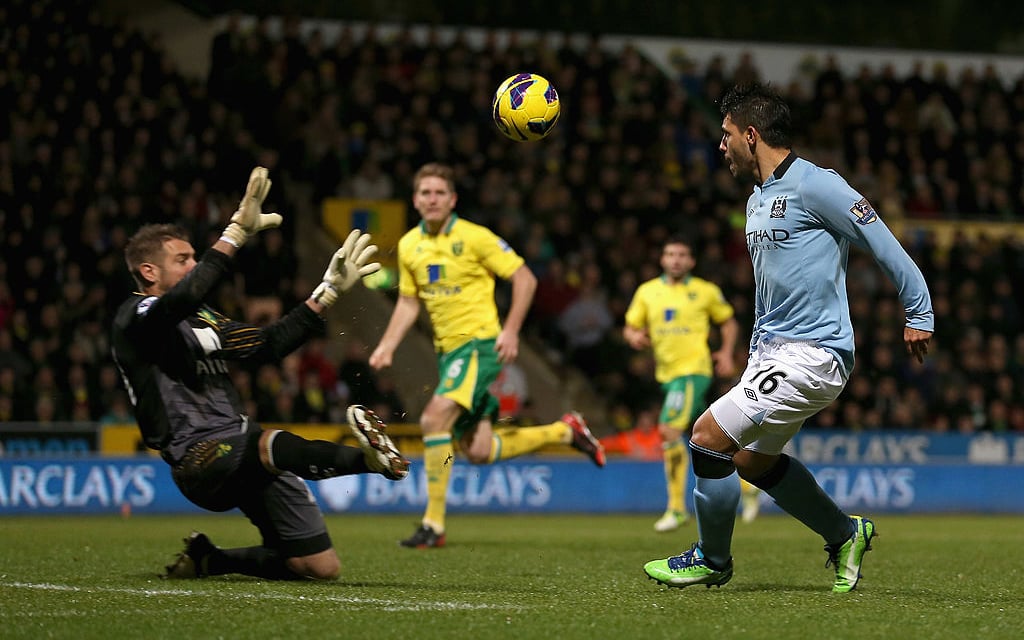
(783, 167)
(685, 280)
(447, 228)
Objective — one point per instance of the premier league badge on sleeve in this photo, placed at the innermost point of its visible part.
(143, 307)
(864, 211)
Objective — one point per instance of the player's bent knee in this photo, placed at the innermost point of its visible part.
(708, 463)
(476, 450)
(477, 457)
(319, 566)
(766, 478)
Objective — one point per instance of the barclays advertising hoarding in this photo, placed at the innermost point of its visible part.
(906, 447)
(888, 472)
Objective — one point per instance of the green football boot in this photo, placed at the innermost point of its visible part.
(688, 568)
(848, 556)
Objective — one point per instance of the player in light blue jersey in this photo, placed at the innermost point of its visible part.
(801, 221)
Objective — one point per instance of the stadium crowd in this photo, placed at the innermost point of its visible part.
(104, 133)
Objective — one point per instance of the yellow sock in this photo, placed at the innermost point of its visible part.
(676, 465)
(509, 442)
(438, 457)
(748, 489)
(751, 502)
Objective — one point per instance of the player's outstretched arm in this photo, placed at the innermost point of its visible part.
(249, 219)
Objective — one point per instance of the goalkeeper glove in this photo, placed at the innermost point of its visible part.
(349, 263)
(250, 219)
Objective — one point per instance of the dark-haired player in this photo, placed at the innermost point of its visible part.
(801, 221)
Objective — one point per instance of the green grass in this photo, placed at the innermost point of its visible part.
(512, 576)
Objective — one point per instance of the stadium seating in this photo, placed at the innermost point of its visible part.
(105, 134)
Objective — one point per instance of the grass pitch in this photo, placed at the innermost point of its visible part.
(512, 576)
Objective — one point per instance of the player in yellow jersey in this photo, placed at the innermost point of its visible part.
(672, 315)
(449, 264)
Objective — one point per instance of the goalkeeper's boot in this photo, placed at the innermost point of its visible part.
(671, 521)
(582, 439)
(848, 556)
(382, 456)
(424, 538)
(688, 568)
(192, 562)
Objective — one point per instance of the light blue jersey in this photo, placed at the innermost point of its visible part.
(800, 224)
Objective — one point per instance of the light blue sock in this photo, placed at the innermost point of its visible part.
(715, 502)
(800, 495)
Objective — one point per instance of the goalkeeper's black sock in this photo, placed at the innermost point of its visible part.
(259, 562)
(315, 459)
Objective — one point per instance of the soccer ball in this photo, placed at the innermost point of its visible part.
(526, 107)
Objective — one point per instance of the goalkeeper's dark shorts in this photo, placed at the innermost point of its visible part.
(226, 473)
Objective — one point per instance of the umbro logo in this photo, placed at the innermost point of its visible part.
(750, 394)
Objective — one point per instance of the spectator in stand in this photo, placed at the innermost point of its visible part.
(641, 440)
(356, 374)
(11, 388)
(11, 357)
(555, 292)
(6, 300)
(264, 276)
(313, 400)
(313, 359)
(80, 164)
(119, 411)
(388, 401)
(586, 323)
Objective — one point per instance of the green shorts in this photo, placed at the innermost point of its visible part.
(466, 375)
(684, 401)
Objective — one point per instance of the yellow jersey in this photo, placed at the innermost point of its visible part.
(452, 273)
(678, 318)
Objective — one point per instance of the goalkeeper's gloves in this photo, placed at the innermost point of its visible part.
(250, 219)
(348, 264)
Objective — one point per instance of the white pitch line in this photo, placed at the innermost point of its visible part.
(380, 603)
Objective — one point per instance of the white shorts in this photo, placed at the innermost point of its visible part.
(784, 384)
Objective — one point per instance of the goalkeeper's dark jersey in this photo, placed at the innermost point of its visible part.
(172, 352)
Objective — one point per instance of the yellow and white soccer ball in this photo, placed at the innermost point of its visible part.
(526, 107)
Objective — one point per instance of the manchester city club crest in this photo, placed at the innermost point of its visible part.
(778, 208)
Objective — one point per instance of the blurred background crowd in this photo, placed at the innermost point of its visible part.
(102, 133)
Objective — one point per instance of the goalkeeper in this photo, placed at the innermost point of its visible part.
(172, 350)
